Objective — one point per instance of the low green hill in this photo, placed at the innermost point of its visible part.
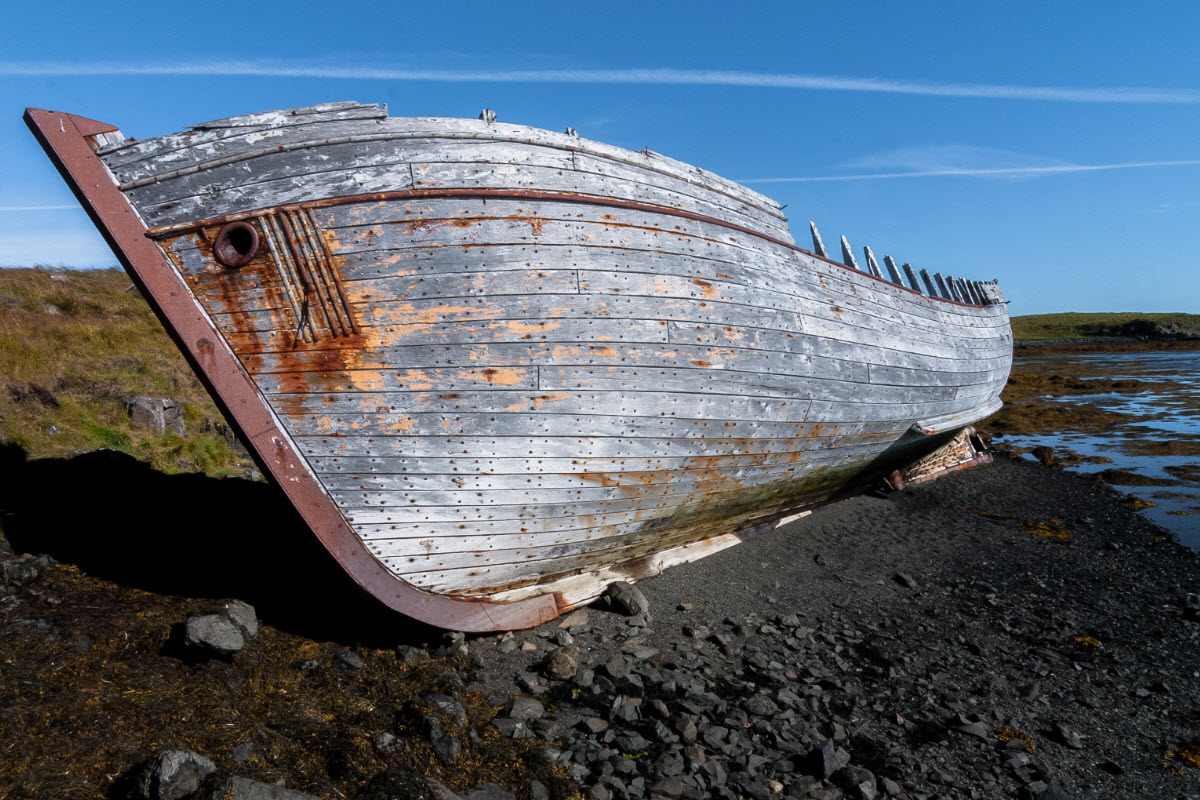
(75, 345)
(1131, 325)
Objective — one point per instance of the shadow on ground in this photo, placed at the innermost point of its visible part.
(118, 519)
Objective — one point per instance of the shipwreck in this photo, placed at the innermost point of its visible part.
(496, 368)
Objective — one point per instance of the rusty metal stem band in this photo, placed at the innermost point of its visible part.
(531, 194)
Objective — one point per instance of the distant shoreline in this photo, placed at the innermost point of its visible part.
(1106, 344)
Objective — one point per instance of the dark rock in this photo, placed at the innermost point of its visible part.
(160, 414)
(531, 683)
(386, 743)
(824, 760)
(669, 764)
(975, 729)
(575, 621)
(512, 728)
(445, 746)
(906, 580)
(859, 783)
(538, 791)
(242, 615)
(671, 786)
(616, 667)
(625, 599)
(1053, 793)
(347, 660)
(214, 633)
(235, 787)
(562, 663)
(1112, 768)
(20, 571)
(1067, 736)
(452, 644)
(593, 725)
(488, 791)
(172, 775)
(525, 709)
(441, 703)
(402, 784)
(1191, 605)
(761, 705)
(410, 655)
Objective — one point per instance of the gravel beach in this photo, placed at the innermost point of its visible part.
(1006, 632)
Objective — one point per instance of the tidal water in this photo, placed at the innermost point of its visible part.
(1155, 435)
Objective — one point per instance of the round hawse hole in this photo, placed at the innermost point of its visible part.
(236, 244)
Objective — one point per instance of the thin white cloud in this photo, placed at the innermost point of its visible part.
(929, 158)
(665, 77)
(39, 208)
(1011, 172)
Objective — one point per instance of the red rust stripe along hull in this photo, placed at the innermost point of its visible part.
(496, 368)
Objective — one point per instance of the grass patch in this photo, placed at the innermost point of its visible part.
(73, 346)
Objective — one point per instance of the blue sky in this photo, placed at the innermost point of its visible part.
(1051, 145)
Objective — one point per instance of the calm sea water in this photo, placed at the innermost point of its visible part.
(1165, 416)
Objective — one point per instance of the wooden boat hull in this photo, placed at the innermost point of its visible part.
(496, 368)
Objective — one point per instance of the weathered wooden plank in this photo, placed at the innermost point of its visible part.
(673, 356)
(904, 376)
(741, 212)
(382, 521)
(273, 193)
(550, 331)
(355, 467)
(893, 353)
(513, 282)
(323, 112)
(427, 175)
(658, 495)
(865, 314)
(810, 387)
(414, 424)
(201, 146)
(713, 479)
(893, 270)
(627, 403)
(446, 380)
(607, 447)
(818, 245)
(330, 159)
(913, 282)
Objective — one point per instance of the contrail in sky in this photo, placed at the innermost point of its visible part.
(38, 208)
(1017, 172)
(661, 77)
